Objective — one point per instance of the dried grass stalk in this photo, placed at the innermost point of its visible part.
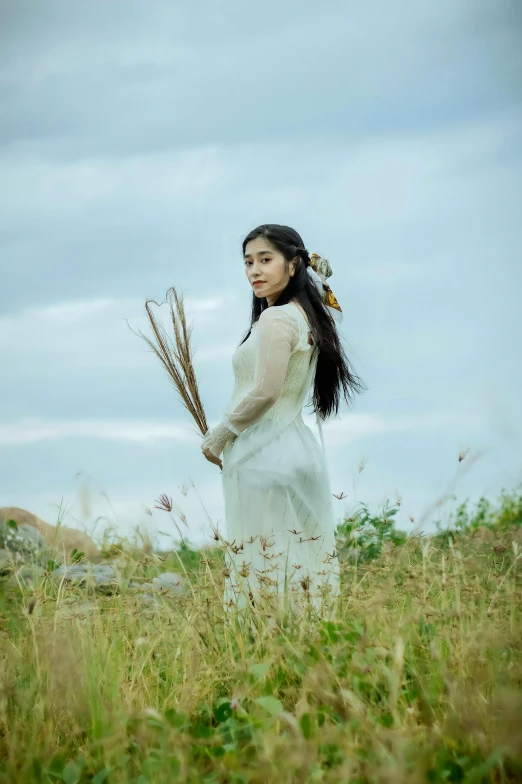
(175, 354)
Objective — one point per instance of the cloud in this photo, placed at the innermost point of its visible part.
(63, 313)
(30, 431)
(79, 358)
(134, 155)
(172, 76)
(343, 430)
(79, 310)
(47, 190)
(349, 428)
(395, 273)
(93, 333)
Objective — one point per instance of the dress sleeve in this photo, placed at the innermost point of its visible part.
(278, 334)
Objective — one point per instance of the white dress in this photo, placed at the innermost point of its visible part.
(278, 502)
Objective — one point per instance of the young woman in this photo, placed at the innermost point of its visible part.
(278, 501)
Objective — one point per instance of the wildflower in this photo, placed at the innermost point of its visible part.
(164, 503)
(305, 583)
(245, 570)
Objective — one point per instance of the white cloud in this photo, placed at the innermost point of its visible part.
(82, 310)
(30, 431)
(394, 273)
(399, 180)
(343, 430)
(348, 428)
(37, 188)
(62, 313)
(93, 333)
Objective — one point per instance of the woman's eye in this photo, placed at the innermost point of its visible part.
(247, 263)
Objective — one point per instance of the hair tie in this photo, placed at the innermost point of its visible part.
(318, 270)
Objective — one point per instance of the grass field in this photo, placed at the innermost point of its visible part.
(417, 678)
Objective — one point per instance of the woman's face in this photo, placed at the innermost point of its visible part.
(265, 269)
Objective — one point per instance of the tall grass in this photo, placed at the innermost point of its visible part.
(418, 677)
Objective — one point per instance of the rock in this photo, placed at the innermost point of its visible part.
(32, 535)
(23, 540)
(61, 539)
(26, 574)
(100, 575)
(23, 553)
(168, 584)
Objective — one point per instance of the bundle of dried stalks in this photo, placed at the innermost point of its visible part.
(175, 354)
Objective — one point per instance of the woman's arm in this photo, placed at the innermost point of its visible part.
(277, 336)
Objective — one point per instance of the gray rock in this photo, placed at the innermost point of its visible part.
(23, 554)
(168, 583)
(82, 573)
(31, 534)
(28, 573)
(25, 539)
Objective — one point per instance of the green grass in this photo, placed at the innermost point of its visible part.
(418, 677)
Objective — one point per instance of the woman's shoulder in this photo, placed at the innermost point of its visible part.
(287, 321)
(286, 312)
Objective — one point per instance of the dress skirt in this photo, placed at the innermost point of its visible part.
(280, 530)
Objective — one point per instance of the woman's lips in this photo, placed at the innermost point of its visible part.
(259, 282)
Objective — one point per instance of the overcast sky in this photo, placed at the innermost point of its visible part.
(141, 141)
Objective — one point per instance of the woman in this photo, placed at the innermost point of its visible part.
(278, 502)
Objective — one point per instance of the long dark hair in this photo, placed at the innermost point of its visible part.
(334, 370)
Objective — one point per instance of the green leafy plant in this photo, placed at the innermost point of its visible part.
(363, 535)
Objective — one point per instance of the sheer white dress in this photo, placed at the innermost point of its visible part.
(278, 501)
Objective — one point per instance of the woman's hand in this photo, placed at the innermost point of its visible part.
(212, 458)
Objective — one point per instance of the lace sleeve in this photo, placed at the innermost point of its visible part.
(278, 334)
